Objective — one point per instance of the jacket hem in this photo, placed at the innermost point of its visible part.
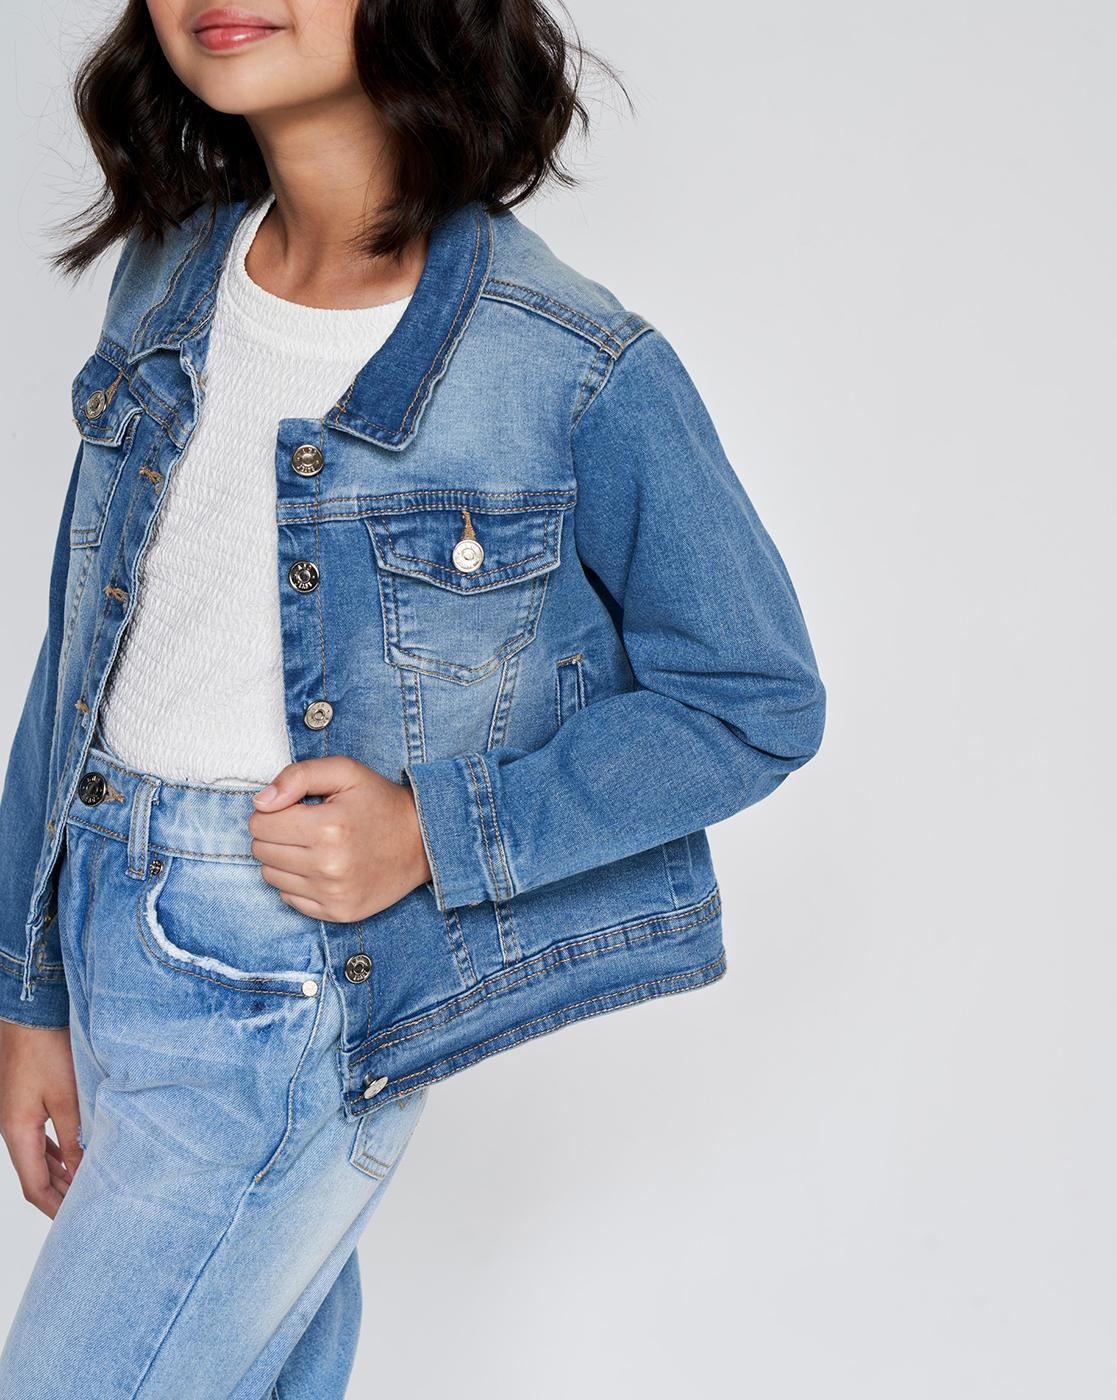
(669, 952)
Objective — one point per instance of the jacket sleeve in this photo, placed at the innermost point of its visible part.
(727, 698)
(23, 811)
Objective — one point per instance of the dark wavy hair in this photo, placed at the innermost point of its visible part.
(477, 97)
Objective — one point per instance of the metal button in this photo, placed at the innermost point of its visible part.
(303, 575)
(307, 460)
(92, 789)
(358, 968)
(318, 714)
(468, 555)
(310, 987)
(373, 1085)
(96, 403)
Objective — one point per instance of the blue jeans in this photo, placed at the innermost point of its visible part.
(207, 1246)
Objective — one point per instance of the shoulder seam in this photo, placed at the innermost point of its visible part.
(601, 369)
(612, 342)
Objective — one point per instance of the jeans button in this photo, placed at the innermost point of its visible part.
(358, 968)
(373, 1085)
(92, 789)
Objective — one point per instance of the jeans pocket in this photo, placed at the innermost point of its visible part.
(224, 924)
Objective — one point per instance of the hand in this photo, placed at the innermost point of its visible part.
(347, 857)
(36, 1083)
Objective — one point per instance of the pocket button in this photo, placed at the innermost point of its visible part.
(96, 403)
(468, 555)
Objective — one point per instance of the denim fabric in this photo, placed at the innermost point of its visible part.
(207, 1243)
(546, 602)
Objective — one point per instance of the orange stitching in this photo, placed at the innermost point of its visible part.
(719, 961)
(551, 960)
(253, 990)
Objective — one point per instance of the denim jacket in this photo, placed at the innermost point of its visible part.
(544, 600)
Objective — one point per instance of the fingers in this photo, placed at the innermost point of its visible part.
(67, 1124)
(27, 1148)
(288, 883)
(305, 906)
(317, 777)
(61, 1177)
(293, 860)
(292, 826)
(36, 1084)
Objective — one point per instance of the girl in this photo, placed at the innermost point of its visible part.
(407, 627)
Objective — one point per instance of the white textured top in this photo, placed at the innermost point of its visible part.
(196, 691)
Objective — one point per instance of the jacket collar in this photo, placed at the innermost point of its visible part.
(386, 399)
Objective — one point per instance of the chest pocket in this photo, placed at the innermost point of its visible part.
(462, 587)
(107, 416)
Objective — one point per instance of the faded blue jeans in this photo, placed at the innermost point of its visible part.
(207, 1246)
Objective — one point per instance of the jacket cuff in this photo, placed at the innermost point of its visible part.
(457, 819)
(49, 1004)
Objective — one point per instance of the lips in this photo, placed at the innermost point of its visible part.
(231, 28)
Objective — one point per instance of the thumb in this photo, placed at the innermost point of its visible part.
(320, 777)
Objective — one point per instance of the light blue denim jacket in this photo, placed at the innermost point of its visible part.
(544, 599)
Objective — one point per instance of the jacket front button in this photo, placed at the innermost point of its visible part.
(303, 575)
(358, 968)
(96, 403)
(307, 460)
(318, 714)
(92, 789)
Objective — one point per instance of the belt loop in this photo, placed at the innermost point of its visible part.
(146, 792)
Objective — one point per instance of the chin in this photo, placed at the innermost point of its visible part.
(240, 94)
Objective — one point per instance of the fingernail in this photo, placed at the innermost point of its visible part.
(265, 794)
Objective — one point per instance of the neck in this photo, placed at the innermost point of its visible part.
(331, 173)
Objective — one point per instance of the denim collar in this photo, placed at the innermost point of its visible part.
(386, 399)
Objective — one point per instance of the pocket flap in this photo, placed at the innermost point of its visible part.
(465, 548)
(102, 402)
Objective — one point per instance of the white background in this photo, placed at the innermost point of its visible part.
(877, 1160)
